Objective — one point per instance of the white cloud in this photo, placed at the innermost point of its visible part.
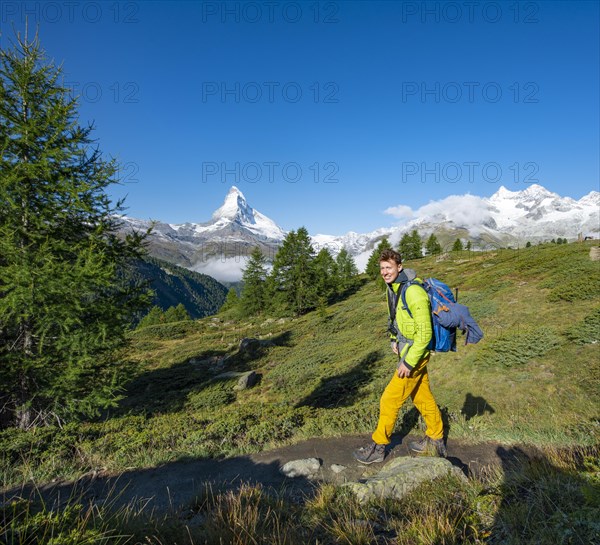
(463, 210)
(227, 269)
(401, 212)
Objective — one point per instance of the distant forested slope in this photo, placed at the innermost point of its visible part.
(200, 294)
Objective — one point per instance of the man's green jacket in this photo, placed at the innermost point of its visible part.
(414, 333)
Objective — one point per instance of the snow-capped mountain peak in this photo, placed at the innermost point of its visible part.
(592, 198)
(235, 208)
(533, 193)
(506, 218)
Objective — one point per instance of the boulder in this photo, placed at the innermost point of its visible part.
(595, 253)
(402, 475)
(247, 380)
(307, 467)
(249, 345)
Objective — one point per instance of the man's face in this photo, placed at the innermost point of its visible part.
(389, 270)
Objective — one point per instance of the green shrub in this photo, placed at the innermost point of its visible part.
(215, 395)
(172, 330)
(587, 331)
(479, 304)
(576, 289)
(513, 349)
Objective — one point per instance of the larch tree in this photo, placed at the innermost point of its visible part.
(372, 268)
(253, 298)
(457, 246)
(432, 246)
(293, 279)
(66, 296)
(410, 245)
(346, 270)
(326, 274)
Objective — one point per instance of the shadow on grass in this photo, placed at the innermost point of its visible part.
(149, 498)
(168, 389)
(544, 503)
(342, 390)
(475, 406)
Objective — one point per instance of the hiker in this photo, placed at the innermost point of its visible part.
(410, 338)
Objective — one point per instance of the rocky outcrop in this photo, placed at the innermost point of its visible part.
(402, 475)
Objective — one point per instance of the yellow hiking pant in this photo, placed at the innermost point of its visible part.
(396, 393)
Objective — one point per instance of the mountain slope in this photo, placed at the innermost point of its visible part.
(201, 295)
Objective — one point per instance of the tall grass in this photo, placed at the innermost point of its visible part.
(550, 497)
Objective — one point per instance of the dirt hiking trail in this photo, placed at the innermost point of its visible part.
(174, 486)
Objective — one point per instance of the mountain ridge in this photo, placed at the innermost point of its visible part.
(220, 246)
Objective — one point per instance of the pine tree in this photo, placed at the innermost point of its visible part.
(528, 245)
(292, 280)
(410, 245)
(65, 295)
(457, 246)
(253, 298)
(433, 247)
(468, 246)
(372, 269)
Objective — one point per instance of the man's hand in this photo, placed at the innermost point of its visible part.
(404, 371)
(395, 347)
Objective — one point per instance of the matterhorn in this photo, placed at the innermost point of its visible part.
(219, 247)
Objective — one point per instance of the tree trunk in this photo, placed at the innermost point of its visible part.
(23, 411)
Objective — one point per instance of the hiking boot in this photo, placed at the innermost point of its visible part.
(370, 453)
(428, 447)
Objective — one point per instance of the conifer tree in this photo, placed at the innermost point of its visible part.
(457, 246)
(410, 245)
(253, 298)
(372, 268)
(176, 314)
(468, 246)
(292, 280)
(231, 300)
(154, 317)
(326, 275)
(346, 270)
(433, 247)
(65, 294)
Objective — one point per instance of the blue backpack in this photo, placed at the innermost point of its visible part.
(446, 316)
(442, 300)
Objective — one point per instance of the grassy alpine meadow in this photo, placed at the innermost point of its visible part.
(533, 380)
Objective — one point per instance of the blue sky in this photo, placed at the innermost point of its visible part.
(325, 114)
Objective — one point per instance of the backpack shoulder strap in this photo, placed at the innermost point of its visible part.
(403, 293)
